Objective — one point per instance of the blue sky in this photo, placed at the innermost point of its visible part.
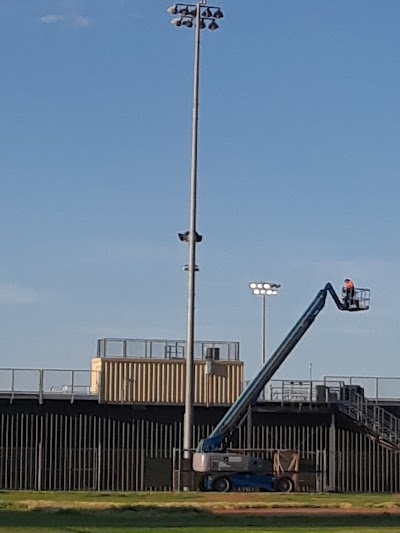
(298, 177)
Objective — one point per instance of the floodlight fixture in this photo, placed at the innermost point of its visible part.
(264, 288)
(189, 14)
(184, 11)
(173, 10)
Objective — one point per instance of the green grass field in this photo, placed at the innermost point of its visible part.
(153, 522)
(193, 513)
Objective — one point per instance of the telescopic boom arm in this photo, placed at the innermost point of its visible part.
(252, 392)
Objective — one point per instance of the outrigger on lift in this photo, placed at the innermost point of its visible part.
(224, 471)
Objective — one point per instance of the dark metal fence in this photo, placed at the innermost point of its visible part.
(65, 452)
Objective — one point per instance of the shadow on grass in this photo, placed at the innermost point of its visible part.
(155, 519)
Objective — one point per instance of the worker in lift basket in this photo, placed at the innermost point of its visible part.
(348, 292)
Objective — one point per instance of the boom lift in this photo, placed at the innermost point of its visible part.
(224, 471)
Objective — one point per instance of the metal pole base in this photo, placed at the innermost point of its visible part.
(187, 475)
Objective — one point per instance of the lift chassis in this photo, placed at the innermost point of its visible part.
(240, 469)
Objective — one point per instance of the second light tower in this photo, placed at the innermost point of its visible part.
(261, 288)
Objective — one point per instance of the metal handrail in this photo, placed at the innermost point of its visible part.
(49, 382)
(285, 390)
(288, 389)
(374, 386)
(163, 348)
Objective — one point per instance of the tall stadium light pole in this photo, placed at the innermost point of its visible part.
(263, 289)
(201, 16)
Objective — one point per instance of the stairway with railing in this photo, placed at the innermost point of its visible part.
(348, 398)
(379, 423)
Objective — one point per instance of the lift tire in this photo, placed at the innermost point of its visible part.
(222, 484)
(201, 486)
(284, 484)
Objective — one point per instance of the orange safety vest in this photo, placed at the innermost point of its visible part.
(349, 285)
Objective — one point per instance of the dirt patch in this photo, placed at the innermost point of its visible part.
(306, 511)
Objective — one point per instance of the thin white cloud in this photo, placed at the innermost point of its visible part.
(82, 22)
(12, 293)
(52, 19)
(78, 21)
